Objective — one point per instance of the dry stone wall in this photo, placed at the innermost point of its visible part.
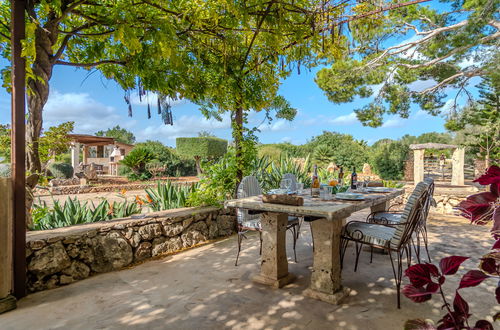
(65, 255)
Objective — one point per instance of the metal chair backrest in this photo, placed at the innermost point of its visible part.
(290, 176)
(430, 198)
(248, 187)
(411, 216)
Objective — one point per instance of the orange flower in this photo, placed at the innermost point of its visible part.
(138, 200)
(110, 211)
(149, 199)
(123, 191)
(333, 183)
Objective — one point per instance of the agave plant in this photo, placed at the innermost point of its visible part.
(270, 173)
(167, 196)
(73, 212)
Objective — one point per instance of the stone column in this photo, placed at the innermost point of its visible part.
(75, 154)
(458, 162)
(418, 165)
(326, 274)
(7, 302)
(274, 264)
(85, 154)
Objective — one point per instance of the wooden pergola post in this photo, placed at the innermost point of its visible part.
(18, 147)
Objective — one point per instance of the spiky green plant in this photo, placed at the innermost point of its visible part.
(168, 196)
(270, 173)
(73, 212)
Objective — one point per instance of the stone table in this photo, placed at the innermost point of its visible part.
(328, 218)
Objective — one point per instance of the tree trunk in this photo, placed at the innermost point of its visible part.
(45, 38)
(197, 160)
(238, 143)
(38, 94)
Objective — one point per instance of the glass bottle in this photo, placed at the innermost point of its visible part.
(315, 185)
(354, 178)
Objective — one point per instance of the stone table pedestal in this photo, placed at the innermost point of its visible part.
(274, 264)
(326, 273)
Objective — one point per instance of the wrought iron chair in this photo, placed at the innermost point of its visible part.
(394, 217)
(393, 238)
(248, 187)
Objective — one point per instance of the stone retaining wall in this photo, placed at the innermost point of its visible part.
(65, 255)
(446, 198)
(83, 189)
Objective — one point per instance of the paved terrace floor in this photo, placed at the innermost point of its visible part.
(202, 289)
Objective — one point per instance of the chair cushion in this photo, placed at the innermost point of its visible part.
(371, 233)
(385, 217)
(251, 224)
(255, 223)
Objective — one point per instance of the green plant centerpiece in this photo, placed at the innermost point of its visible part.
(199, 148)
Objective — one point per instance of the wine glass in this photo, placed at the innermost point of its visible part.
(287, 183)
(367, 181)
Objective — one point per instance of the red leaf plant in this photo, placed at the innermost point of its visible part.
(427, 279)
(484, 207)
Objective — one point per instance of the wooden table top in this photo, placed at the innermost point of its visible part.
(315, 207)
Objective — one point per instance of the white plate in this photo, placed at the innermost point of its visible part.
(378, 189)
(277, 191)
(350, 196)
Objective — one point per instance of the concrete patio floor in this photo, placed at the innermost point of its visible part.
(202, 289)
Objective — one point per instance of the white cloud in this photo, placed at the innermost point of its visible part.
(349, 119)
(88, 114)
(393, 122)
(286, 139)
(183, 126)
(278, 125)
(448, 106)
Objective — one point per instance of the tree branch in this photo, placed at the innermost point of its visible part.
(453, 52)
(467, 74)
(90, 65)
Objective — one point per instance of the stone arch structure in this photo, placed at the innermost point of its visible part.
(458, 161)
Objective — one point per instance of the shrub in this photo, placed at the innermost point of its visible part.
(174, 164)
(5, 171)
(60, 170)
(201, 148)
(323, 155)
(136, 161)
(388, 160)
(271, 151)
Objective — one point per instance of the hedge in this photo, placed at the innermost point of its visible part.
(201, 147)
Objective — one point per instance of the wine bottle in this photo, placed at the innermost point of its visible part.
(354, 178)
(315, 183)
(341, 175)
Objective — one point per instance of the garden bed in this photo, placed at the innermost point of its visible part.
(94, 188)
(65, 255)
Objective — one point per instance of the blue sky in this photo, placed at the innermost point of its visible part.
(95, 103)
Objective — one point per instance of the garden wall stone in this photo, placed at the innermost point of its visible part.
(65, 255)
(446, 198)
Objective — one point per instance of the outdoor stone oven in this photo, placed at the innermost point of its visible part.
(65, 255)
